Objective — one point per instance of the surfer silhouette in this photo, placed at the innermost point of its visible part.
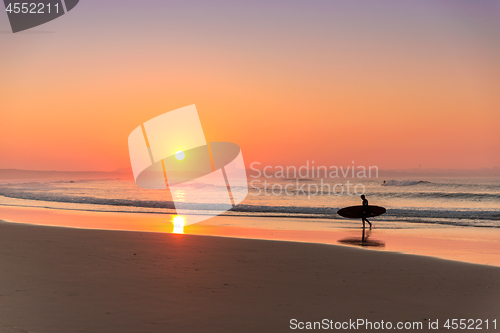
(366, 211)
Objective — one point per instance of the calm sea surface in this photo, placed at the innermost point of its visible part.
(468, 202)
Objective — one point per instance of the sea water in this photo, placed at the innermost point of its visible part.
(459, 201)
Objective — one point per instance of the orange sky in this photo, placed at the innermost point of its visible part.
(395, 88)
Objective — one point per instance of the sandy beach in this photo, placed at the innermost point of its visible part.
(73, 280)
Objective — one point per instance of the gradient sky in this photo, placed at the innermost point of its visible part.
(388, 83)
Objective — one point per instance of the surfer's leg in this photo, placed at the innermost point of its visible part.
(369, 223)
(363, 219)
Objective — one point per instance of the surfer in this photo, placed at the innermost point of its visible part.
(366, 211)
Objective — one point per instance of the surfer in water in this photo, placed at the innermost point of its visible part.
(366, 211)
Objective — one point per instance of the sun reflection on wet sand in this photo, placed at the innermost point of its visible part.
(178, 222)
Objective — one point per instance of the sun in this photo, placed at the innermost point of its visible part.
(180, 155)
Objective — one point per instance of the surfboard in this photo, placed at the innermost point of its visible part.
(356, 212)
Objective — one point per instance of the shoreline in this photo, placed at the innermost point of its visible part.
(472, 245)
(428, 217)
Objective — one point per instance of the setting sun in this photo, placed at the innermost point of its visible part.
(180, 155)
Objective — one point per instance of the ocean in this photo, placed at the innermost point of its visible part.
(416, 202)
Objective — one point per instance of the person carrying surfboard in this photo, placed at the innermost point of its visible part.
(366, 211)
(361, 211)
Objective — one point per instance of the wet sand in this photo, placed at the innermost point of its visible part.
(73, 280)
(468, 244)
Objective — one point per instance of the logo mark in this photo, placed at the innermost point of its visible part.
(170, 152)
(28, 14)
